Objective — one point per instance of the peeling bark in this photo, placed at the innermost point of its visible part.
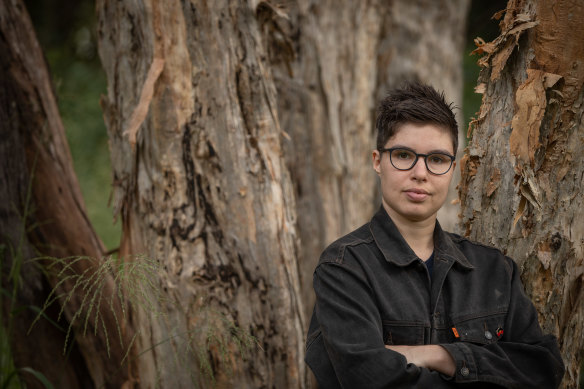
(204, 191)
(522, 172)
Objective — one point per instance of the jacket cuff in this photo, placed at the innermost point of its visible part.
(466, 369)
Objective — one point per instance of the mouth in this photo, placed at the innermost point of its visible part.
(416, 194)
(417, 191)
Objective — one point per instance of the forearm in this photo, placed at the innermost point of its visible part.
(352, 336)
(509, 364)
(433, 357)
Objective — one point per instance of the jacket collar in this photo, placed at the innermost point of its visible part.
(397, 251)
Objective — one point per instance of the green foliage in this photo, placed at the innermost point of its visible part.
(79, 85)
(8, 382)
(8, 377)
(66, 32)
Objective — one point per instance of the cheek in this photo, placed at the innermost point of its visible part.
(389, 179)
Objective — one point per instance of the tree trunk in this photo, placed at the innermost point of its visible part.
(43, 214)
(201, 185)
(522, 172)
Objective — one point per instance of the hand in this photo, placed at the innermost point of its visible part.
(430, 356)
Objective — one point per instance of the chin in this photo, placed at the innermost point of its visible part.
(418, 216)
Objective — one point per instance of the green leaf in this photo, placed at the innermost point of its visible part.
(39, 376)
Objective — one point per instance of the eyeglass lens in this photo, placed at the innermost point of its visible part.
(404, 159)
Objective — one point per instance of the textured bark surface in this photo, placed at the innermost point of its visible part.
(522, 172)
(203, 189)
(35, 158)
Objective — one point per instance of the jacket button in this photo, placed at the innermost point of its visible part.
(488, 335)
(464, 372)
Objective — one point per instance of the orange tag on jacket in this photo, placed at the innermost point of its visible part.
(455, 332)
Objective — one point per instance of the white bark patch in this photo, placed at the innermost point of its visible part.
(141, 110)
(545, 257)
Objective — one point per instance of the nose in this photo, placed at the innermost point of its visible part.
(419, 170)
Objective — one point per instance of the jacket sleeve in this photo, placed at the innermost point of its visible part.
(523, 358)
(353, 334)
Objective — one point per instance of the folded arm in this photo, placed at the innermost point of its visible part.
(353, 335)
(431, 356)
(523, 357)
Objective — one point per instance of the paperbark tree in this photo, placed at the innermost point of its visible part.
(523, 170)
(201, 186)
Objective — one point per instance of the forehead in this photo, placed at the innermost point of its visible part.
(422, 137)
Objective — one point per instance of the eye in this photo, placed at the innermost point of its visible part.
(403, 154)
(438, 159)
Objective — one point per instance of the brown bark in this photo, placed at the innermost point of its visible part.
(203, 190)
(32, 291)
(36, 158)
(522, 173)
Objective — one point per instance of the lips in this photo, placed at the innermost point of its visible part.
(416, 194)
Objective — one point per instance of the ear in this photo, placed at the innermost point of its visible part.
(376, 160)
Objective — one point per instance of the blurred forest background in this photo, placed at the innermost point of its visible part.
(66, 31)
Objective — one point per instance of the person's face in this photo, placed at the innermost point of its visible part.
(414, 195)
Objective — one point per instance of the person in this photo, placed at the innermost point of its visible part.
(400, 303)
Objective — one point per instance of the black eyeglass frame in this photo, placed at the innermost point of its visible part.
(452, 158)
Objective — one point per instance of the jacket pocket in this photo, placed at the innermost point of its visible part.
(480, 329)
(407, 333)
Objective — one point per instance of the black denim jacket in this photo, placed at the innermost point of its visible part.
(372, 290)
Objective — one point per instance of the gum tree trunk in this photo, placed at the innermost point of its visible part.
(202, 188)
(522, 172)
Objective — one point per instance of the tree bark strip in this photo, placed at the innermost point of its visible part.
(522, 172)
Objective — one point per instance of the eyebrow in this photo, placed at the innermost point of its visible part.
(441, 151)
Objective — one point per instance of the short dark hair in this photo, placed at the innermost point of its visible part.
(414, 102)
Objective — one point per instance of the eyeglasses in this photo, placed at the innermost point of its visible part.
(405, 159)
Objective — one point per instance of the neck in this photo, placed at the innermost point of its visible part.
(418, 234)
